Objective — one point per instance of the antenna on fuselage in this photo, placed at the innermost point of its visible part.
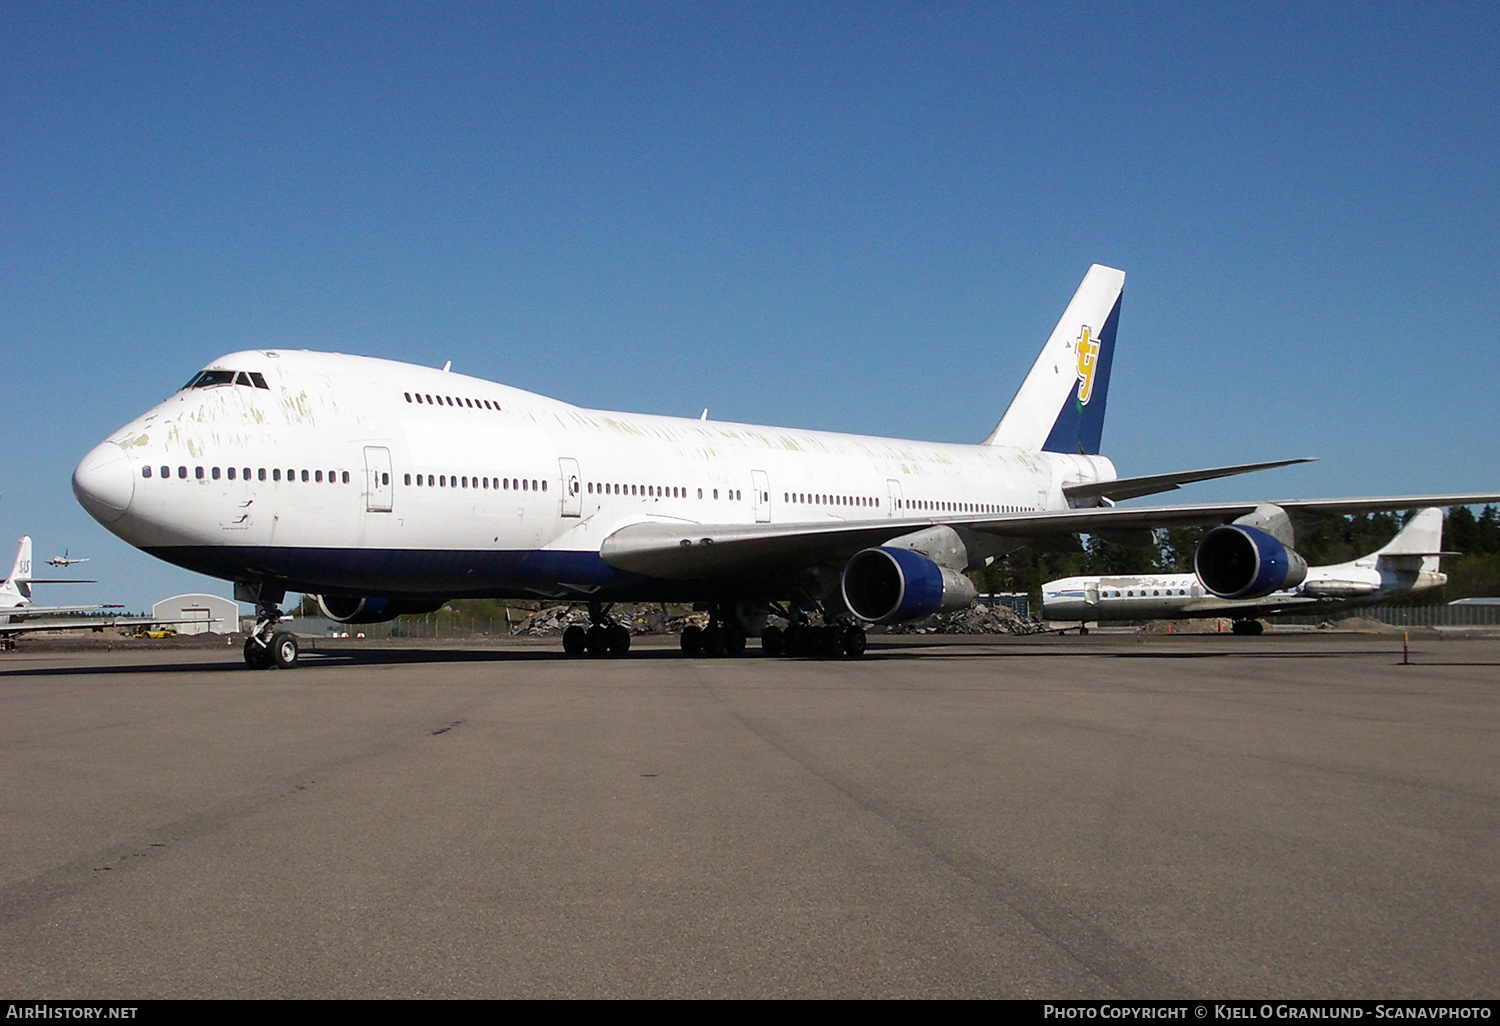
(704, 414)
(446, 366)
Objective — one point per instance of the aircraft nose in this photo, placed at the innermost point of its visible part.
(104, 483)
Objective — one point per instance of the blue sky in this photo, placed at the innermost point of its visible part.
(849, 216)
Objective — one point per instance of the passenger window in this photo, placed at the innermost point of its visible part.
(544, 485)
(276, 474)
(345, 477)
(145, 471)
(304, 476)
(408, 396)
(318, 476)
(230, 472)
(166, 472)
(408, 480)
(198, 473)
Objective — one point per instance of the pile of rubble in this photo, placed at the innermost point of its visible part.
(979, 619)
(550, 620)
(638, 619)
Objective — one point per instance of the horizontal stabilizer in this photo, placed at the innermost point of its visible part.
(1122, 488)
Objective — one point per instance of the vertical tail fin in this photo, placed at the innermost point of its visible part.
(1060, 406)
(1422, 536)
(17, 587)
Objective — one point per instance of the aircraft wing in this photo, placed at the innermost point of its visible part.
(91, 624)
(1122, 488)
(27, 612)
(57, 580)
(684, 551)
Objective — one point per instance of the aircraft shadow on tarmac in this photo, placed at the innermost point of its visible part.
(312, 658)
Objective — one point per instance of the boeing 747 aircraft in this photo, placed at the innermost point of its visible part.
(387, 488)
(1407, 563)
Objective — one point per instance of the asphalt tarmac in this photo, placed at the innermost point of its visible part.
(1109, 816)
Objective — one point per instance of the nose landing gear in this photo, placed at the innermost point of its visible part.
(266, 646)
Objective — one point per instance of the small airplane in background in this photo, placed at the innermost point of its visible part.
(18, 615)
(64, 561)
(1407, 563)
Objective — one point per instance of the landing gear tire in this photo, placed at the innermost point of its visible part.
(692, 640)
(734, 641)
(619, 640)
(284, 650)
(596, 640)
(852, 642)
(575, 640)
(713, 640)
(257, 657)
(1083, 629)
(772, 641)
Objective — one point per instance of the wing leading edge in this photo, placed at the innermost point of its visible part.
(682, 551)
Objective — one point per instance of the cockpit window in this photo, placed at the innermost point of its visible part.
(210, 378)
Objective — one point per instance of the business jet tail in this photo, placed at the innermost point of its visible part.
(1060, 407)
(17, 586)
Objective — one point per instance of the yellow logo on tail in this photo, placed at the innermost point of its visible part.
(1088, 362)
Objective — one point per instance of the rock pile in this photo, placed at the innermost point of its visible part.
(979, 619)
(638, 619)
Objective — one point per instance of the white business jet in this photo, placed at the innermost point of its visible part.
(1407, 563)
(387, 488)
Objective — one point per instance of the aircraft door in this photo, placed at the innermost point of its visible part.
(1091, 594)
(378, 479)
(572, 487)
(893, 505)
(762, 488)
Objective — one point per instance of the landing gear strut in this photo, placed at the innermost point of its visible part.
(266, 646)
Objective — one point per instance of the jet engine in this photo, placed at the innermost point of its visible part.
(889, 585)
(1240, 562)
(372, 610)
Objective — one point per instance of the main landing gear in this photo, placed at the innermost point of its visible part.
(604, 636)
(266, 646)
(724, 636)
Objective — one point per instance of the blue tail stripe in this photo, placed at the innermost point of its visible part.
(1079, 427)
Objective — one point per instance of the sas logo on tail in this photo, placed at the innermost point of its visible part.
(1088, 362)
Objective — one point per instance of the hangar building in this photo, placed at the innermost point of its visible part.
(203, 613)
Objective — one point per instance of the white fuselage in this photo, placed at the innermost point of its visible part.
(1364, 581)
(354, 475)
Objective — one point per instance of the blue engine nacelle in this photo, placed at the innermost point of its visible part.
(1239, 562)
(372, 610)
(889, 585)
